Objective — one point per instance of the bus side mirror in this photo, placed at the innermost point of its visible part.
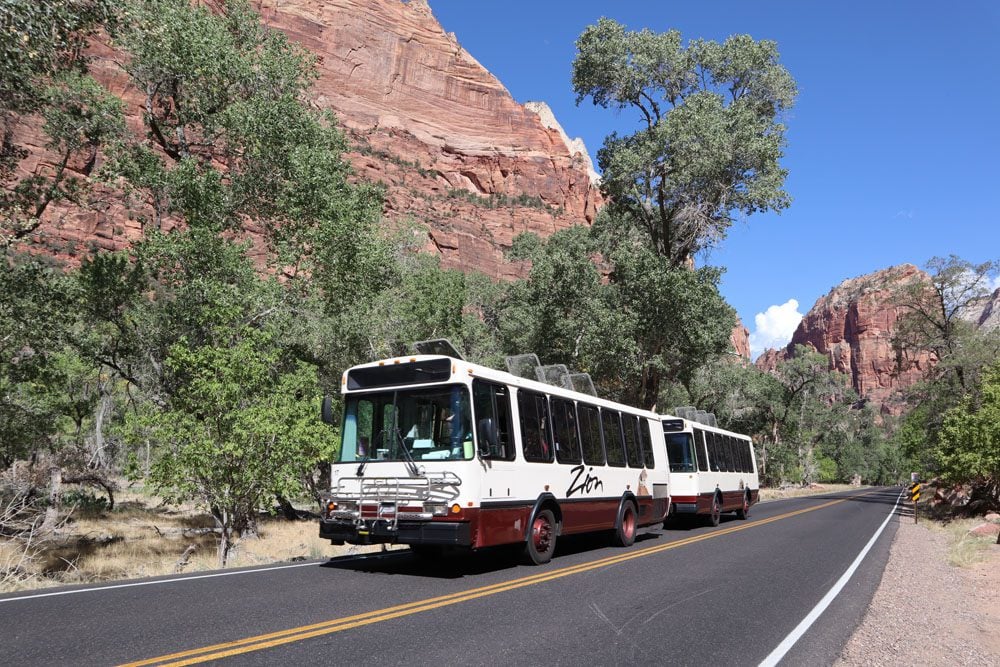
(488, 437)
(326, 411)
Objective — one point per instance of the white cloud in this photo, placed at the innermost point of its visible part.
(774, 327)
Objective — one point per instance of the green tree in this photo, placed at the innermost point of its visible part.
(238, 430)
(710, 135)
(939, 316)
(41, 39)
(223, 354)
(646, 324)
(558, 311)
(36, 313)
(738, 393)
(808, 405)
(231, 136)
(936, 317)
(969, 446)
(673, 318)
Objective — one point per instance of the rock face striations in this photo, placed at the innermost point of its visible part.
(452, 147)
(853, 325)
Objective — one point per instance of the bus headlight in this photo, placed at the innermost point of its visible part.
(334, 506)
(437, 509)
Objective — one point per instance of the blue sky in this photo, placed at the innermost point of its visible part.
(892, 145)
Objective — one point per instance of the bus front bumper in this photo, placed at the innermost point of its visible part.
(381, 531)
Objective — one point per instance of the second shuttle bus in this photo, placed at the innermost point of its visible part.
(712, 470)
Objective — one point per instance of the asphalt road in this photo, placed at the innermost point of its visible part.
(691, 596)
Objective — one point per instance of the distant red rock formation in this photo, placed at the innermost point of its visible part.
(740, 340)
(853, 325)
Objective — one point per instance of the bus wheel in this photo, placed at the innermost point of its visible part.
(625, 526)
(713, 518)
(541, 539)
(744, 512)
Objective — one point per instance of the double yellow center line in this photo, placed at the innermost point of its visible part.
(270, 640)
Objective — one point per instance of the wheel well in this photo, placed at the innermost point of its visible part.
(545, 502)
(628, 497)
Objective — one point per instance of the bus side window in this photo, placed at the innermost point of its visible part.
(745, 448)
(647, 444)
(564, 427)
(629, 425)
(714, 455)
(734, 455)
(491, 403)
(590, 432)
(611, 424)
(701, 453)
(536, 441)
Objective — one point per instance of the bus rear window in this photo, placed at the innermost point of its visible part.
(679, 452)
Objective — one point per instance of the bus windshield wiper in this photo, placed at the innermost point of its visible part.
(411, 465)
(368, 454)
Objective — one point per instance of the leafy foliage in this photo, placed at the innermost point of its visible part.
(936, 317)
(970, 437)
(41, 39)
(34, 335)
(647, 322)
(710, 136)
(808, 423)
(237, 430)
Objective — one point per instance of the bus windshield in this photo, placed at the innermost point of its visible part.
(679, 452)
(431, 423)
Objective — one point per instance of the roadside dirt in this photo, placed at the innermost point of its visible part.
(927, 611)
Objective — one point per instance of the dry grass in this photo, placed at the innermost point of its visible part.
(965, 549)
(142, 537)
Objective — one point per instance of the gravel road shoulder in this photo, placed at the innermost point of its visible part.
(928, 612)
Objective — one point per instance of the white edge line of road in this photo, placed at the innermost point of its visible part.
(779, 652)
(157, 581)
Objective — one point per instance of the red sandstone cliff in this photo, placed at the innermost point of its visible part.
(853, 325)
(740, 340)
(453, 148)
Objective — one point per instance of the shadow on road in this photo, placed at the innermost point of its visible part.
(465, 563)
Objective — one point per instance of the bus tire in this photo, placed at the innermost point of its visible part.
(744, 512)
(626, 524)
(716, 512)
(541, 541)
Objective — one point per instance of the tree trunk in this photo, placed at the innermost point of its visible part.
(104, 405)
(650, 389)
(226, 542)
(55, 496)
(286, 508)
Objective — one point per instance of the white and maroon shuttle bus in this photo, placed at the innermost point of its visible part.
(439, 452)
(711, 470)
